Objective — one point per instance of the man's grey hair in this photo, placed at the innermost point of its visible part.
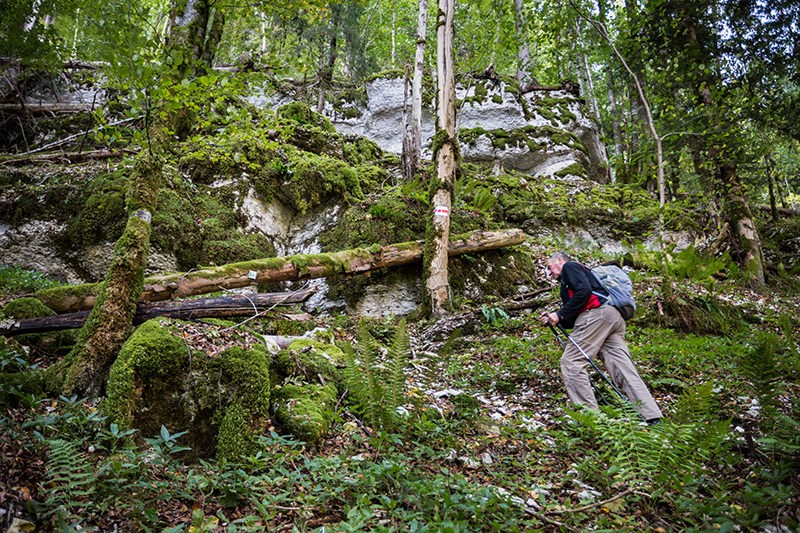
(559, 256)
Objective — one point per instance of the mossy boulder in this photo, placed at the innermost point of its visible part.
(305, 410)
(311, 360)
(26, 308)
(103, 215)
(222, 401)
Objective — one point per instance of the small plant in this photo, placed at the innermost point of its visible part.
(666, 456)
(766, 367)
(493, 315)
(68, 483)
(17, 280)
(165, 443)
(378, 386)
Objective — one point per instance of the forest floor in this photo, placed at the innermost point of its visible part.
(486, 442)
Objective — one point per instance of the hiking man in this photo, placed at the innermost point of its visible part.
(597, 328)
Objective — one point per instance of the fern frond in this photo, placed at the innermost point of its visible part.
(399, 353)
(378, 392)
(69, 479)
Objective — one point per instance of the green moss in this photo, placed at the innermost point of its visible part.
(26, 308)
(556, 110)
(235, 150)
(497, 273)
(305, 411)
(245, 247)
(575, 169)
(311, 360)
(387, 74)
(360, 150)
(314, 178)
(301, 113)
(103, 215)
(247, 414)
(222, 402)
(149, 366)
(501, 138)
(391, 217)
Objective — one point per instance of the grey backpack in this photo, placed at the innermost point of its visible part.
(619, 287)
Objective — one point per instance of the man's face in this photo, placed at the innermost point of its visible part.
(554, 266)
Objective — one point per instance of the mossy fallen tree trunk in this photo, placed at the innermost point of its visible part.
(221, 307)
(234, 275)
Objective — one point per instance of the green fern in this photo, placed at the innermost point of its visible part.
(378, 388)
(399, 352)
(68, 483)
(765, 368)
(661, 456)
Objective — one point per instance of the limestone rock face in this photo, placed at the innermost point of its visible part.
(554, 119)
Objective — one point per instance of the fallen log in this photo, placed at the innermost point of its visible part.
(45, 108)
(66, 157)
(220, 307)
(234, 275)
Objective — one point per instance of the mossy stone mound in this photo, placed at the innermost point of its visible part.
(221, 401)
(305, 410)
(26, 308)
(311, 360)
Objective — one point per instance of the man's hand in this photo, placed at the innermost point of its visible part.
(549, 319)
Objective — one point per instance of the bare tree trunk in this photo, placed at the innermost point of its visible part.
(637, 111)
(394, 38)
(773, 203)
(523, 50)
(616, 128)
(437, 282)
(412, 144)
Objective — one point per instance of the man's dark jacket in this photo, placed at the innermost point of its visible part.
(576, 278)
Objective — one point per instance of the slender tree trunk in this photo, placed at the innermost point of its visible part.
(437, 283)
(523, 49)
(616, 128)
(415, 146)
(584, 72)
(773, 203)
(667, 287)
(326, 72)
(394, 38)
(636, 106)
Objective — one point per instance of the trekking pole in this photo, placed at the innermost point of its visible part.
(594, 365)
(597, 391)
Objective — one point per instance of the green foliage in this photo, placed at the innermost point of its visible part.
(15, 280)
(493, 315)
(663, 456)
(375, 376)
(694, 265)
(165, 444)
(768, 369)
(69, 484)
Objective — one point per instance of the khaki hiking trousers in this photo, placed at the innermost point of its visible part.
(602, 331)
